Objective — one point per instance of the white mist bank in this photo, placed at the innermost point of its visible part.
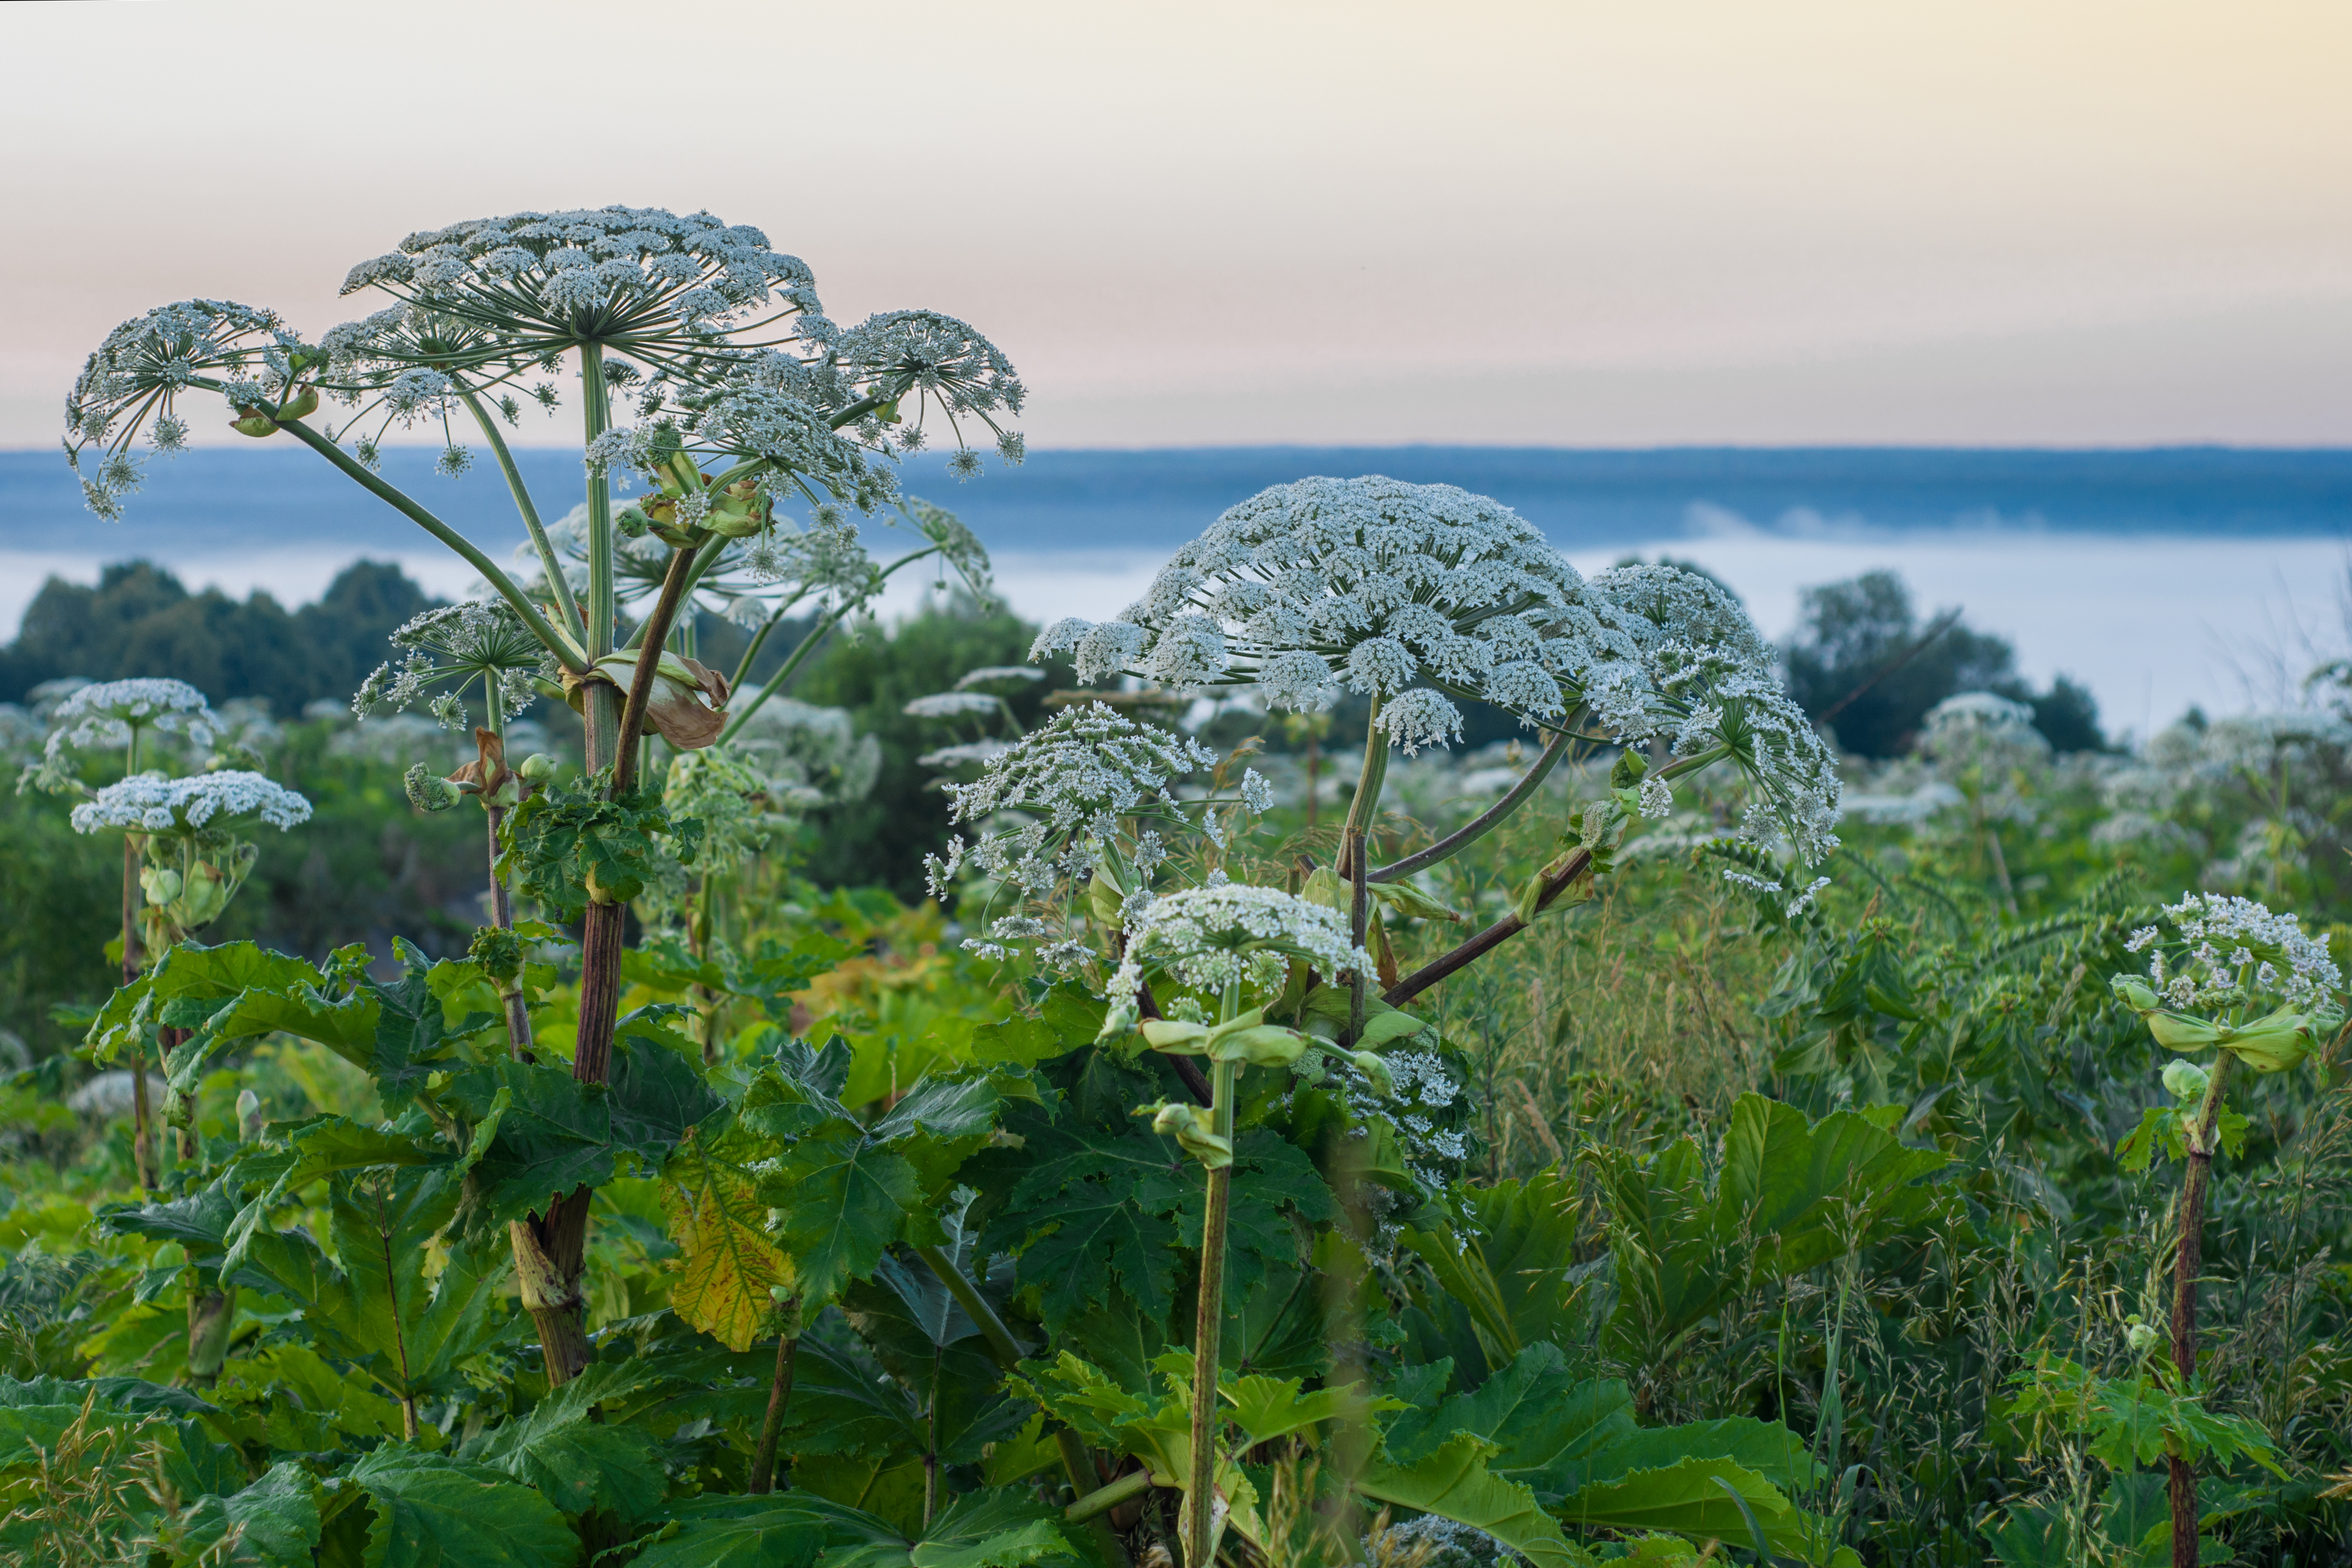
(2151, 624)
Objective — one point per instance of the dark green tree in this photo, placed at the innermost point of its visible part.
(1863, 662)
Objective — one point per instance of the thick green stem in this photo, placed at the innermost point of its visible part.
(1208, 1320)
(557, 583)
(1076, 1463)
(210, 1315)
(1102, 1500)
(510, 995)
(2187, 1262)
(596, 417)
(504, 585)
(779, 1395)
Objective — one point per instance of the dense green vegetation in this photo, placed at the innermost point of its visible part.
(1923, 1069)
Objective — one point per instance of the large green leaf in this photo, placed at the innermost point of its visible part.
(1095, 1211)
(538, 1132)
(273, 1524)
(433, 1511)
(381, 1310)
(844, 1191)
(1689, 1497)
(1508, 1263)
(727, 1532)
(1790, 1197)
(1454, 1482)
(574, 1461)
(1003, 1528)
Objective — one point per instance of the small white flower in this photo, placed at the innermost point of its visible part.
(1658, 798)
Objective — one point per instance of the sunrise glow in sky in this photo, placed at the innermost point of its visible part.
(1541, 223)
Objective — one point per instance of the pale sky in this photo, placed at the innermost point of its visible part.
(1563, 224)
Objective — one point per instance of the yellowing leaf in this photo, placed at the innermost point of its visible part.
(728, 1264)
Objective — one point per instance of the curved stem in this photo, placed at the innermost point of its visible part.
(557, 581)
(784, 671)
(2187, 1262)
(1487, 821)
(1557, 878)
(655, 630)
(559, 646)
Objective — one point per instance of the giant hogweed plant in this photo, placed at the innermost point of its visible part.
(1187, 1210)
(747, 398)
(184, 853)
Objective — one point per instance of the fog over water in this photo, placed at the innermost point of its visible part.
(2158, 578)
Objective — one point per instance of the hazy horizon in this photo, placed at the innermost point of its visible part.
(2107, 223)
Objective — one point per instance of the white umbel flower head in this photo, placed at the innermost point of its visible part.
(951, 705)
(1695, 669)
(459, 644)
(2225, 950)
(1368, 585)
(104, 715)
(1226, 933)
(1076, 778)
(1977, 734)
(204, 804)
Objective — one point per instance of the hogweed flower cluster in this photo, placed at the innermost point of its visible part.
(2232, 951)
(1077, 779)
(1689, 667)
(728, 352)
(216, 803)
(1228, 933)
(1367, 584)
(106, 715)
(460, 644)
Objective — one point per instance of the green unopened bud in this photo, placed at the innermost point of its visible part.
(631, 521)
(538, 767)
(1195, 1132)
(427, 791)
(1104, 900)
(499, 952)
(1376, 1067)
(255, 425)
(2134, 993)
(2186, 1081)
(2141, 1337)
(249, 1116)
(203, 895)
(160, 883)
(301, 406)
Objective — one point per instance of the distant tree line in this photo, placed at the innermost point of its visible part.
(1863, 665)
(142, 620)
